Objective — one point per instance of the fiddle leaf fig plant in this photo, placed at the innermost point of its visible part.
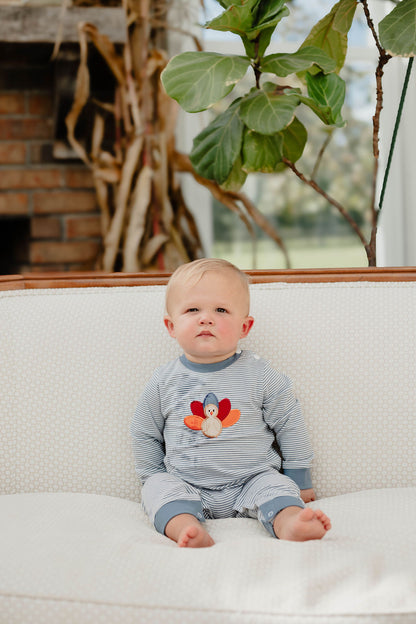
(260, 128)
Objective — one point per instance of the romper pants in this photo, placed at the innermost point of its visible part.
(262, 496)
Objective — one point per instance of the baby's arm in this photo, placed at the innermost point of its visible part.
(147, 433)
(283, 415)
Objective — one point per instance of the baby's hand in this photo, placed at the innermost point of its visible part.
(307, 495)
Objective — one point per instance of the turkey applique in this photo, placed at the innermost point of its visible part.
(211, 415)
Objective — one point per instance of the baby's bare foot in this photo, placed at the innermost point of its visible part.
(300, 525)
(194, 537)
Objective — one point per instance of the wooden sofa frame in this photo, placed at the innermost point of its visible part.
(100, 279)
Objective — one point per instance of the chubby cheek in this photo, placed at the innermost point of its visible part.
(179, 328)
(182, 331)
(228, 330)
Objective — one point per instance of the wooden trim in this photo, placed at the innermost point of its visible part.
(379, 274)
(11, 282)
(98, 279)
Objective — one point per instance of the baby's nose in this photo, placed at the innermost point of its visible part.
(205, 319)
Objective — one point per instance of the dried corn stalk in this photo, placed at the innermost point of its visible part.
(146, 224)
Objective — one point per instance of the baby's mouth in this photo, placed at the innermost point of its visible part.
(205, 333)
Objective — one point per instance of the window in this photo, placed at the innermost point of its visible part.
(314, 232)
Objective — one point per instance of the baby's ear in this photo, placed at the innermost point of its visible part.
(247, 325)
(169, 326)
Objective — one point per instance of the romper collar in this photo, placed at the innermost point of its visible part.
(210, 367)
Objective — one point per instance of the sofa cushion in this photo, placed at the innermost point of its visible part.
(87, 558)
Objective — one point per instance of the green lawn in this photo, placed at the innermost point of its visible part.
(304, 253)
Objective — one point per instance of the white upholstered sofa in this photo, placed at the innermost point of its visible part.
(75, 546)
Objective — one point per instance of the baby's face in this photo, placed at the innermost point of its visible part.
(209, 318)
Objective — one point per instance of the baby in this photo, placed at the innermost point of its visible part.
(205, 427)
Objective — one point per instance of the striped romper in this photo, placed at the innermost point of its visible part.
(204, 441)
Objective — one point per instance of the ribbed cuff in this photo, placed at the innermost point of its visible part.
(268, 511)
(301, 476)
(174, 508)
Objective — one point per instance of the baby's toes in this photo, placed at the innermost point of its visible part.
(323, 518)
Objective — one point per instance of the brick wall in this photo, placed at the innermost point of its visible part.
(57, 197)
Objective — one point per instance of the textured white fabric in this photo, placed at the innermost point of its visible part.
(74, 361)
(87, 559)
(73, 365)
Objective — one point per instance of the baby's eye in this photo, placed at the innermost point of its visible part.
(192, 310)
(222, 310)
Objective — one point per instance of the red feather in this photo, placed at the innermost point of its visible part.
(197, 408)
(224, 408)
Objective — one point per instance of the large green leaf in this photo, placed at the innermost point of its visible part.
(328, 90)
(294, 139)
(331, 32)
(327, 93)
(285, 64)
(266, 111)
(398, 29)
(236, 18)
(261, 153)
(216, 148)
(268, 15)
(197, 80)
(253, 20)
(250, 17)
(236, 178)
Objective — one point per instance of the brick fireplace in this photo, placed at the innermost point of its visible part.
(55, 197)
(49, 220)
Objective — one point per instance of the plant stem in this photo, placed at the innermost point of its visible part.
(395, 131)
(382, 60)
(321, 154)
(370, 24)
(262, 222)
(256, 65)
(334, 203)
(230, 199)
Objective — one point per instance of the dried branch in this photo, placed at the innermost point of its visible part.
(321, 154)
(140, 201)
(112, 240)
(263, 223)
(183, 164)
(82, 92)
(145, 223)
(344, 213)
(230, 199)
(371, 26)
(384, 57)
(59, 34)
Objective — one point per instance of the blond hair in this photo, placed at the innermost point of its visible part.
(191, 272)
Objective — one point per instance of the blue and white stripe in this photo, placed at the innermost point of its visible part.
(163, 443)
